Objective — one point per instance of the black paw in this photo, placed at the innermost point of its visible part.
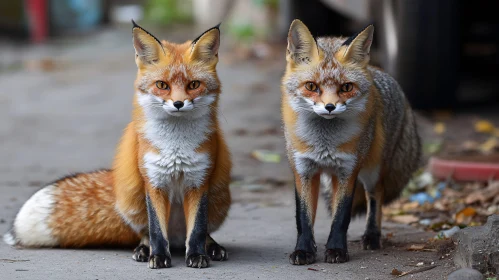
(197, 261)
(371, 241)
(217, 252)
(141, 253)
(160, 261)
(336, 256)
(300, 257)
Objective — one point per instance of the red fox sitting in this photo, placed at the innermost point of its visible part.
(170, 179)
(348, 126)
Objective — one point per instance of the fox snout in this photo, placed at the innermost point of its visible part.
(330, 107)
(178, 104)
(329, 110)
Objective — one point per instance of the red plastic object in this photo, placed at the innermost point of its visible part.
(38, 21)
(463, 170)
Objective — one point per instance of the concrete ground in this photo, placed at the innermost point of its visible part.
(70, 118)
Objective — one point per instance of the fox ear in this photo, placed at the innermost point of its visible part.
(147, 47)
(205, 47)
(358, 47)
(302, 48)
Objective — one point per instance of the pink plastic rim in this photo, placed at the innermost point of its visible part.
(463, 170)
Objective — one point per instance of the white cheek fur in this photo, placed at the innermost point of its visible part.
(157, 108)
(321, 110)
(351, 108)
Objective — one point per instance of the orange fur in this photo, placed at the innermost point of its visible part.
(108, 208)
(84, 214)
(176, 70)
(128, 182)
(290, 117)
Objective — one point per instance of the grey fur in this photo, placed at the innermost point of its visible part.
(402, 152)
(402, 148)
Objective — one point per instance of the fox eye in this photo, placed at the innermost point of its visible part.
(194, 85)
(347, 87)
(162, 85)
(311, 86)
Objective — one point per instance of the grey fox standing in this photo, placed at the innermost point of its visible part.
(347, 125)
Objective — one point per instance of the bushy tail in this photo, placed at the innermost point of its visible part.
(76, 211)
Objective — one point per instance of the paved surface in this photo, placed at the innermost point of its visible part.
(71, 118)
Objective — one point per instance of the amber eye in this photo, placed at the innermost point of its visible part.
(311, 86)
(194, 85)
(162, 85)
(347, 87)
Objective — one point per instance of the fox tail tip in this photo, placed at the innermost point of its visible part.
(9, 238)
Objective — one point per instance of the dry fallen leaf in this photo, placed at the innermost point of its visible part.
(464, 216)
(488, 146)
(470, 146)
(396, 272)
(439, 128)
(484, 126)
(483, 195)
(44, 65)
(266, 156)
(416, 247)
(410, 206)
(405, 219)
(417, 270)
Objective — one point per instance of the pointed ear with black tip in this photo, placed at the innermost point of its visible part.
(302, 48)
(358, 47)
(148, 48)
(205, 47)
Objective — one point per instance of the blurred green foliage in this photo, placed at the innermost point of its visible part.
(242, 32)
(168, 11)
(269, 3)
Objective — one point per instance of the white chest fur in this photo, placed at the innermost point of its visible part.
(324, 136)
(176, 166)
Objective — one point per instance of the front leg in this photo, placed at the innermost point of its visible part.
(141, 252)
(158, 210)
(306, 195)
(196, 215)
(343, 191)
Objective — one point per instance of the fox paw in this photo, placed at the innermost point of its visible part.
(300, 257)
(336, 256)
(141, 253)
(217, 252)
(159, 261)
(371, 241)
(197, 261)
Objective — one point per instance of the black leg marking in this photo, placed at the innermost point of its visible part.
(160, 254)
(196, 254)
(305, 250)
(215, 251)
(371, 240)
(336, 247)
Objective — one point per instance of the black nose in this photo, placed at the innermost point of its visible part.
(330, 107)
(178, 104)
